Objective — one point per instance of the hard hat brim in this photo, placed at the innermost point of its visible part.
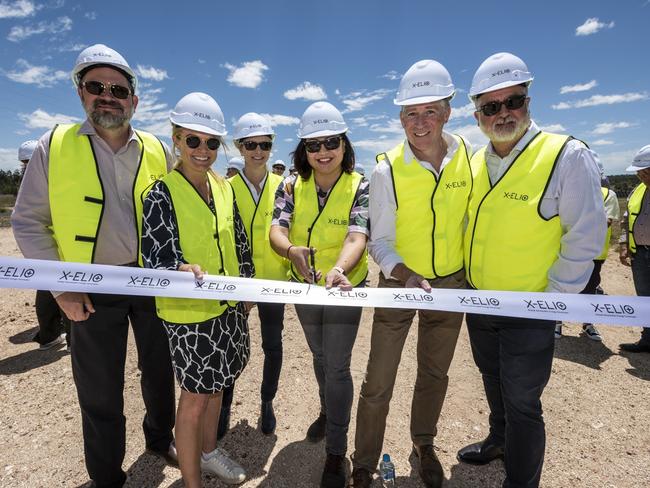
(323, 133)
(81, 67)
(202, 128)
(420, 100)
(635, 168)
(500, 86)
(253, 134)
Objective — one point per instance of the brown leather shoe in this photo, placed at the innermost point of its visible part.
(361, 478)
(430, 469)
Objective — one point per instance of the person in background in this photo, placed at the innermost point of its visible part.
(208, 339)
(320, 223)
(81, 201)
(235, 166)
(634, 243)
(53, 325)
(255, 189)
(278, 167)
(360, 169)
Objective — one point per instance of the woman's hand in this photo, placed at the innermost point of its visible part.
(299, 257)
(336, 278)
(194, 268)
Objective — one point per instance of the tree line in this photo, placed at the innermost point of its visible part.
(10, 181)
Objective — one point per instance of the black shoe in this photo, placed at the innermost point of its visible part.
(168, 455)
(635, 347)
(267, 422)
(430, 469)
(361, 478)
(224, 424)
(480, 452)
(316, 431)
(334, 475)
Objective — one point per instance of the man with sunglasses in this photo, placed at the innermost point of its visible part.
(535, 223)
(81, 201)
(418, 196)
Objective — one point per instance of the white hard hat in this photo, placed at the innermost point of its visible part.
(236, 162)
(321, 119)
(252, 124)
(26, 150)
(101, 54)
(200, 112)
(426, 81)
(279, 162)
(641, 160)
(500, 70)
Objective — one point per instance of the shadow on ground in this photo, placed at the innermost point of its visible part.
(33, 359)
(581, 350)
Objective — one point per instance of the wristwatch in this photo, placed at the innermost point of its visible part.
(339, 269)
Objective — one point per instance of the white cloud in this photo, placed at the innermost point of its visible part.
(249, 74)
(17, 9)
(277, 119)
(152, 114)
(472, 133)
(616, 162)
(41, 76)
(592, 25)
(602, 142)
(602, 100)
(394, 126)
(40, 119)
(391, 75)
(306, 91)
(462, 112)
(288, 139)
(201, 61)
(151, 73)
(72, 47)
(578, 88)
(609, 127)
(9, 159)
(378, 145)
(363, 120)
(359, 100)
(554, 128)
(20, 33)
(90, 15)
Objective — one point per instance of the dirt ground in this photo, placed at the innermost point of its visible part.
(596, 409)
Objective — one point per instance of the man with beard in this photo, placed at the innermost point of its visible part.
(535, 223)
(81, 201)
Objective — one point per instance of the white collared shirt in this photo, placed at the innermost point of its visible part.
(251, 186)
(383, 208)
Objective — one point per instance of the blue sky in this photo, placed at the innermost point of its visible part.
(590, 60)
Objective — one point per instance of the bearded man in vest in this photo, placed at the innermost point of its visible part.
(535, 223)
(418, 198)
(81, 201)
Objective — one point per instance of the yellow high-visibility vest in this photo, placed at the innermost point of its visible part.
(257, 220)
(207, 239)
(430, 211)
(633, 209)
(508, 244)
(325, 230)
(608, 235)
(76, 192)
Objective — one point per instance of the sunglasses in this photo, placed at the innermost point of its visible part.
(514, 102)
(97, 88)
(252, 145)
(331, 143)
(195, 141)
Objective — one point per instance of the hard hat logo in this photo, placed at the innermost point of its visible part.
(420, 84)
(321, 121)
(202, 115)
(501, 72)
(252, 124)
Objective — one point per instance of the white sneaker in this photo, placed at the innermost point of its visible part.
(590, 331)
(49, 345)
(558, 330)
(218, 463)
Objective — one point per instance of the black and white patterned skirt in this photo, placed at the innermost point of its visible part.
(210, 356)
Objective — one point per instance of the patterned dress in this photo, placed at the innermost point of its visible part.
(207, 356)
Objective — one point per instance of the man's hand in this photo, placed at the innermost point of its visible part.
(336, 278)
(194, 268)
(624, 255)
(418, 281)
(76, 306)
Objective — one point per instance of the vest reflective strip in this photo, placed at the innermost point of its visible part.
(206, 239)
(633, 209)
(608, 236)
(76, 208)
(257, 220)
(325, 230)
(508, 244)
(431, 212)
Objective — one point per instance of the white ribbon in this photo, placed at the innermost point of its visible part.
(95, 278)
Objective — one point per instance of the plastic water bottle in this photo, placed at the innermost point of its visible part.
(387, 471)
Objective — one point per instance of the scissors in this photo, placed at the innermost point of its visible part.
(312, 264)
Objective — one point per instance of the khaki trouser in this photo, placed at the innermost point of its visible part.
(437, 336)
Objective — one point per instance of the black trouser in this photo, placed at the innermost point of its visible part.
(98, 358)
(594, 279)
(271, 325)
(514, 356)
(641, 276)
(51, 320)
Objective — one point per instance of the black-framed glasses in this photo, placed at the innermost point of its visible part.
(331, 143)
(97, 88)
(252, 145)
(195, 141)
(514, 102)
